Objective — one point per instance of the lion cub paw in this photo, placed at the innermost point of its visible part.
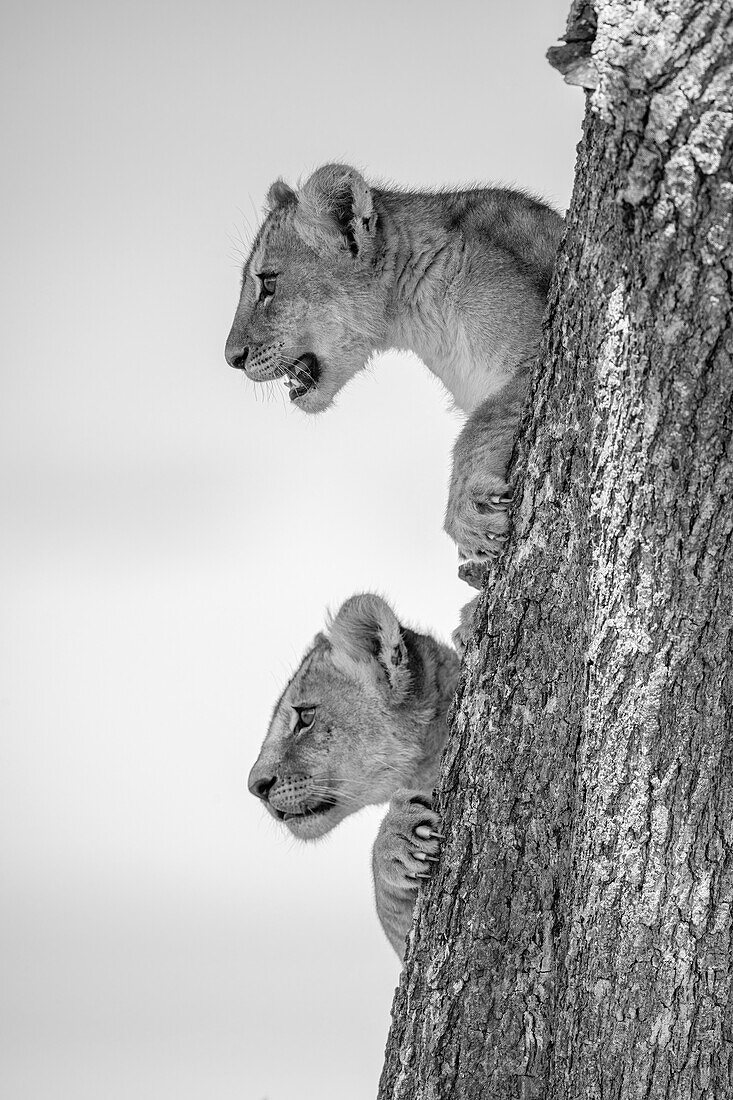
(408, 843)
(478, 522)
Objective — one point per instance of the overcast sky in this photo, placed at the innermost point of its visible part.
(171, 538)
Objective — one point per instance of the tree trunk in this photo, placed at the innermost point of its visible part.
(577, 938)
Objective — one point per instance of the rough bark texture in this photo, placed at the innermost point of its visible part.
(577, 939)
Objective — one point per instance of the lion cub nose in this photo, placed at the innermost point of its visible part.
(236, 357)
(260, 785)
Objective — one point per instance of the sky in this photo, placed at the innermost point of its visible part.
(172, 537)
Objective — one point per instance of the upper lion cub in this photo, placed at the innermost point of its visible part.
(340, 270)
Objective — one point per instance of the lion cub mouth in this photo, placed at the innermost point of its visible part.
(303, 376)
(311, 811)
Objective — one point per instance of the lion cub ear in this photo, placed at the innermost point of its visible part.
(336, 211)
(280, 194)
(367, 638)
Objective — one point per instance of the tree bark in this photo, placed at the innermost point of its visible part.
(577, 938)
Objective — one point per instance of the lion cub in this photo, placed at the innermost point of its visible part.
(340, 270)
(364, 721)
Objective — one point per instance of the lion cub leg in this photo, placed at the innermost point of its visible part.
(477, 515)
(407, 846)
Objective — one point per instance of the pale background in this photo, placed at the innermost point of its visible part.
(171, 539)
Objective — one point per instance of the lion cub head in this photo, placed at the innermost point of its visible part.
(364, 714)
(311, 310)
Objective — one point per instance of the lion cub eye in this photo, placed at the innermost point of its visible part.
(306, 718)
(268, 284)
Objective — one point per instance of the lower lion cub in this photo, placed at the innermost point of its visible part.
(364, 721)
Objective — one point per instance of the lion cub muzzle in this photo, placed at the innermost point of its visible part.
(269, 361)
(260, 363)
(289, 796)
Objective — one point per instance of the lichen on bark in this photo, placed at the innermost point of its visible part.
(576, 941)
